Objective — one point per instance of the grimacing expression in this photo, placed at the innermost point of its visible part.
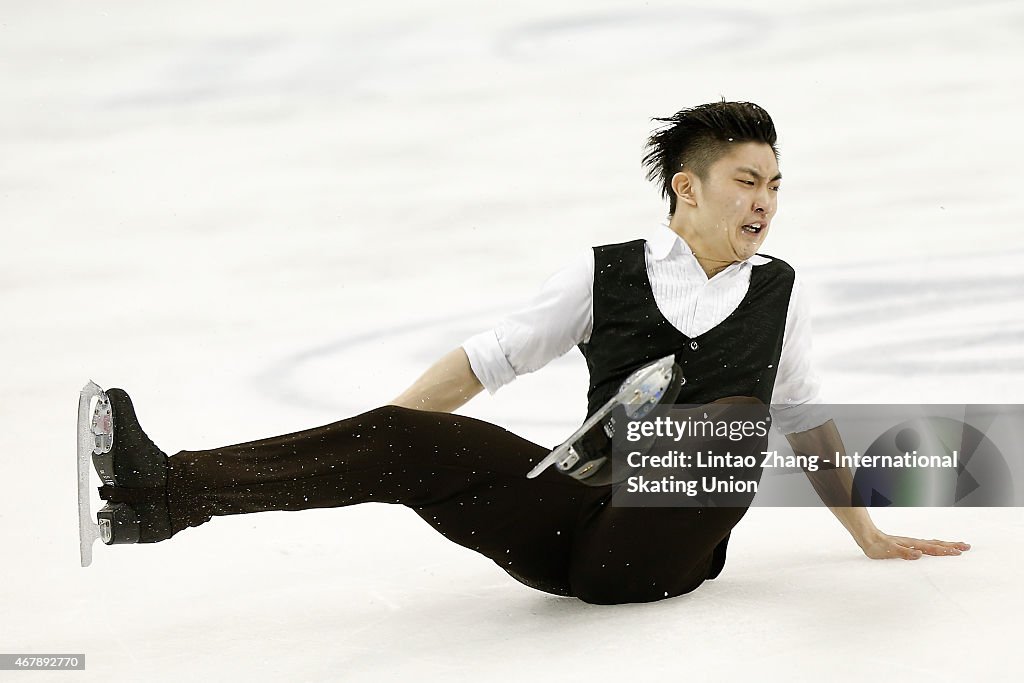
(737, 203)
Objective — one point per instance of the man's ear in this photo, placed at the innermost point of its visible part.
(684, 185)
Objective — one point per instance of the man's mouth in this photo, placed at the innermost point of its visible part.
(753, 228)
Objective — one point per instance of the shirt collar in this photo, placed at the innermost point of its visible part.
(662, 240)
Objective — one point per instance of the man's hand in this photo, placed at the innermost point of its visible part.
(882, 546)
(835, 487)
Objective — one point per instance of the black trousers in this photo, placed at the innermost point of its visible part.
(466, 478)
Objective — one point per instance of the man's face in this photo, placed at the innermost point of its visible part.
(741, 192)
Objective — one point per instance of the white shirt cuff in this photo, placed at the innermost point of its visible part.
(801, 417)
(488, 361)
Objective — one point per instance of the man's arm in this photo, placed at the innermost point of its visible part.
(835, 487)
(444, 387)
(554, 321)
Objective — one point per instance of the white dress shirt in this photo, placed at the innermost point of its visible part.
(561, 316)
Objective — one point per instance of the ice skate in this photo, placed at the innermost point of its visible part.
(585, 453)
(130, 466)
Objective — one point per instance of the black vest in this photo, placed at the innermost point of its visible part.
(737, 357)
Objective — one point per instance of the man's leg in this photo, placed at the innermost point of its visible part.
(641, 554)
(464, 477)
(467, 479)
(632, 554)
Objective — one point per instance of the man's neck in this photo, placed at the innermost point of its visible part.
(710, 266)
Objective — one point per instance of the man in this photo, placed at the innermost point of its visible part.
(696, 288)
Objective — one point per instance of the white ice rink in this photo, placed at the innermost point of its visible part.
(190, 196)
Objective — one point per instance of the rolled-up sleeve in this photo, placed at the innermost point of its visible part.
(558, 318)
(796, 399)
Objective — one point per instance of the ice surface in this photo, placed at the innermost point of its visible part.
(260, 217)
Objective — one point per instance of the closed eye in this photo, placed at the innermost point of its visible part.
(751, 183)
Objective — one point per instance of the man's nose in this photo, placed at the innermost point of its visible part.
(764, 203)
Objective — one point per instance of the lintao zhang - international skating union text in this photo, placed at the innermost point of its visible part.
(768, 459)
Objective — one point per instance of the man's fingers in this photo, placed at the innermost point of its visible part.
(933, 549)
(907, 548)
(945, 547)
(914, 547)
(922, 543)
(907, 553)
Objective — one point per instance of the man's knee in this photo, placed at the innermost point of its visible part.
(741, 400)
(391, 415)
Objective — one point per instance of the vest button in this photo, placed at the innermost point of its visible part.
(693, 345)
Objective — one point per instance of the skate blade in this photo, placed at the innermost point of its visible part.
(95, 435)
(642, 387)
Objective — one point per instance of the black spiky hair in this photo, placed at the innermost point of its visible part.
(696, 138)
